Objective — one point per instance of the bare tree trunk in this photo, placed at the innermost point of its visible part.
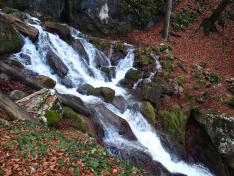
(208, 24)
(167, 20)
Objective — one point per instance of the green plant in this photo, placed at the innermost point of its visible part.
(168, 65)
(182, 19)
(52, 117)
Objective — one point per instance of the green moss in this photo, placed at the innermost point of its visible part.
(10, 40)
(180, 80)
(68, 113)
(52, 117)
(80, 124)
(103, 45)
(173, 123)
(133, 75)
(168, 65)
(148, 112)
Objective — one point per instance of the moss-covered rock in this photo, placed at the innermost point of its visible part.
(133, 75)
(173, 123)
(148, 112)
(101, 44)
(10, 40)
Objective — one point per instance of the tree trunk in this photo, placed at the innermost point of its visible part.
(167, 20)
(208, 24)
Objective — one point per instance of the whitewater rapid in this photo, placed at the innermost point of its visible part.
(79, 74)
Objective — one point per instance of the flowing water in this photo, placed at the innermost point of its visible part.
(83, 71)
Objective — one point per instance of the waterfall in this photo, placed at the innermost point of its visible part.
(79, 73)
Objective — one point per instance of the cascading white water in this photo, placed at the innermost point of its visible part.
(148, 141)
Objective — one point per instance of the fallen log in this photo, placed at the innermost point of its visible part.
(10, 111)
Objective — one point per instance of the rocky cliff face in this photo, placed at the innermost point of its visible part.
(93, 16)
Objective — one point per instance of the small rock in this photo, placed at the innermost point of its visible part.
(67, 82)
(120, 103)
(17, 95)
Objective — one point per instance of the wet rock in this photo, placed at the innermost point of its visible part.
(26, 58)
(120, 103)
(103, 115)
(230, 161)
(44, 105)
(45, 81)
(147, 111)
(149, 91)
(10, 40)
(119, 51)
(67, 82)
(104, 92)
(57, 65)
(109, 71)
(101, 59)
(78, 46)
(75, 103)
(61, 29)
(200, 146)
(21, 26)
(17, 95)
(4, 77)
(141, 159)
(86, 89)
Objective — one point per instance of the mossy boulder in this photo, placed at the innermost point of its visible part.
(133, 75)
(101, 44)
(147, 111)
(46, 81)
(10, 39)
(44, 105)
(173, 123)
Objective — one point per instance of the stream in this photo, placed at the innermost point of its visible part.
(81, 71)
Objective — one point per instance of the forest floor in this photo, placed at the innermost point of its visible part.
(192, 46)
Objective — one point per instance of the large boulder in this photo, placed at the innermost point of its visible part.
(200, 147)
(120, 103)
(10, 40)
(104, 92)
(21, 26)
(44, 105)
(150, 91)
(102, 116)
(220, 129)
(61, 29)
(57, 65)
